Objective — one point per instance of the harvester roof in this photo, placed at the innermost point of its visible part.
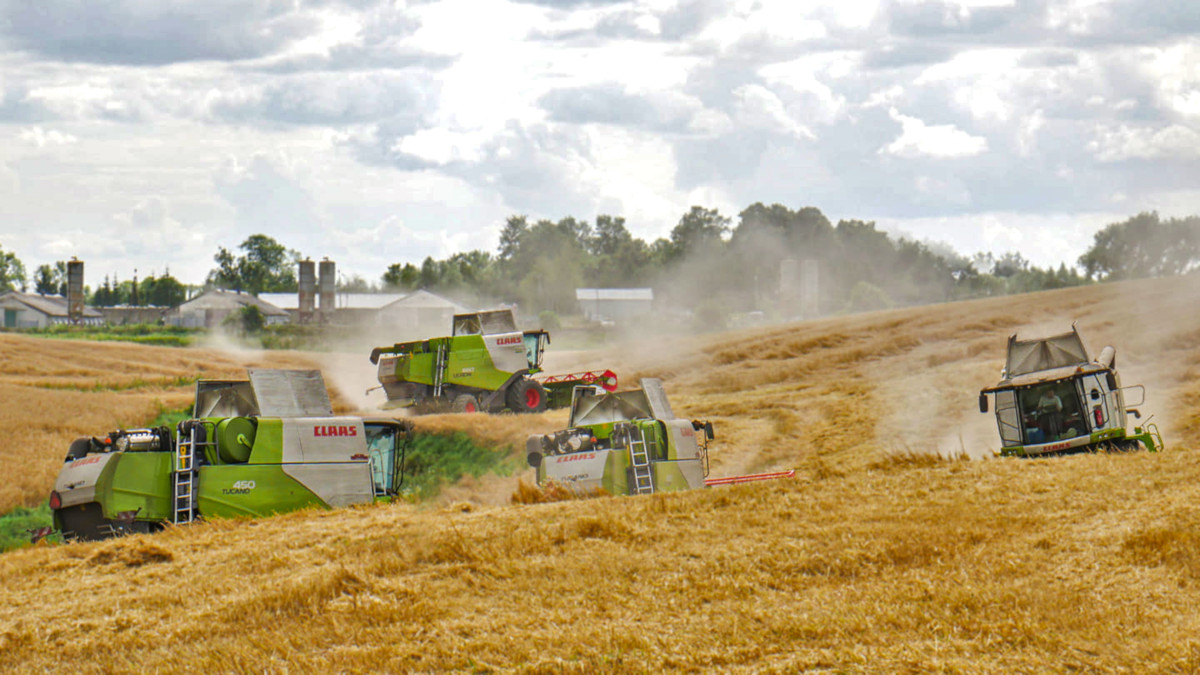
(1041, 354)
(1048, 359)
(1043, 376)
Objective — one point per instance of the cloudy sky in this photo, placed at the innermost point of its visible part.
(146, 133)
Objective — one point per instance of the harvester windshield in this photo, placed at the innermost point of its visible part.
(1051, 411)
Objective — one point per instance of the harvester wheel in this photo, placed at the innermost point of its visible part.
(466, 403)
(526, 395)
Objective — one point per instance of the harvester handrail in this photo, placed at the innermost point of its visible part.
(1140, 387)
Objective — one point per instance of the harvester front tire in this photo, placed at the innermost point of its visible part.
(466, 403)
(526, 396)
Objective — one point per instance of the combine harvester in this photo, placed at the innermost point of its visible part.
(627, 443)
(252, 448)
(1052, 399)
(486, 365)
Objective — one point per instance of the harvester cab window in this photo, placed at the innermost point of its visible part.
(1008, 418)
(466, 324)
(381, 448)
(1050, 412)
(535, 345)
(1099, 414)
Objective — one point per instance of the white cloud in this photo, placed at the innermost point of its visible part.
(1046, 240)
(781, 19)
(442, 146)
(884, 97)
(42, 137)
(759, 107)
(1027, 133)
(335, 30)
(1079, 17)
(801, 75)
(999, 236)
(1125, 142)
(944, 141)
(10, 182)
(1176, 69)
(941, 191)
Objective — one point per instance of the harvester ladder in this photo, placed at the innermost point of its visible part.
(439, 369)
(639, 459)
(185, 472)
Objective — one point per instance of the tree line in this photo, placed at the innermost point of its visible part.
(706, 262)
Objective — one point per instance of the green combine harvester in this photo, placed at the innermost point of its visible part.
(623, 443)
(486, 365)
(252, 448)
(1052, 399)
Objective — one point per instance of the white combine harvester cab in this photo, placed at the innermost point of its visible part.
(1053, 399)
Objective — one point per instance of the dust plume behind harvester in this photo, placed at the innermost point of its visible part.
(269, 444)
(1053, 399)
(485, 365)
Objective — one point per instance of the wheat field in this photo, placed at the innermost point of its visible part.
(889, 552)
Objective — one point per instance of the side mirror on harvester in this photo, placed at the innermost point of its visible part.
(708, 430)
(983, 405)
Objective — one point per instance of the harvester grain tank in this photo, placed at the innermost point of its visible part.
(623, 443)
(1053, 399)
(253, 447)
(486, 365)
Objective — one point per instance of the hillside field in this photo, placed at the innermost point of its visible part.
(901, 546)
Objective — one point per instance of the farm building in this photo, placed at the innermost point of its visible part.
(30, 310)
(420, 311)
(348, 307)
(210, 308)
(600, 304)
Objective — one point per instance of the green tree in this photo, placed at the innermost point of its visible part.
(1143, 246)
(609, 236)
(265, 266)
(103, 297)
(164, 291)
(405, 277)
(12, 272)
(699, 229)
(547, 266)
(46, 281)
(514, 231)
